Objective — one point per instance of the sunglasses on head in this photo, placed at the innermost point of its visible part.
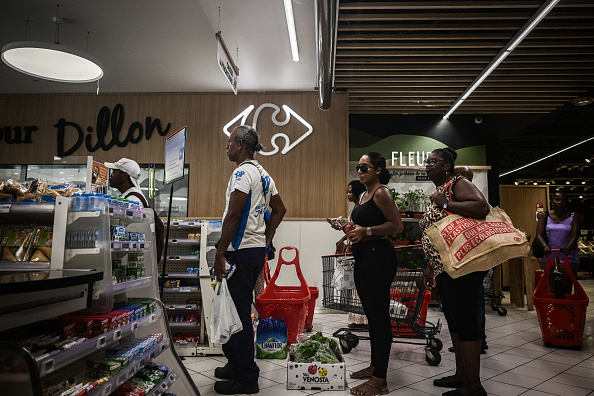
(363, 168)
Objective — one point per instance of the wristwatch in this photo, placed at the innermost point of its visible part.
(445, 204)
(368, 231)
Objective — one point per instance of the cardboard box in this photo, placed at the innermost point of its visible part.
(316, 375)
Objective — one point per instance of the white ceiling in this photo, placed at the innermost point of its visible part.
(159, 46)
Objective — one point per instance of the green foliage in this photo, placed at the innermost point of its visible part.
(416, 199)
(399, 200)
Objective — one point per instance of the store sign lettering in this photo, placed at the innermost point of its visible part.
(107, 133)
(105, 122)
(17, 135)
(411, 158)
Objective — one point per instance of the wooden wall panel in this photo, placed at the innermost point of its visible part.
(519, 202)
(310, 177)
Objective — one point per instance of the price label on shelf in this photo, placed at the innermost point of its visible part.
(185, 289)
(5, 207)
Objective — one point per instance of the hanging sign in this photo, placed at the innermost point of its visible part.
(230, 71)
(99, 176)
(175, 155)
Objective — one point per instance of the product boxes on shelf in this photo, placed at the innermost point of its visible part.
(316, 375)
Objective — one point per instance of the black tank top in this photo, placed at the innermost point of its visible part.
(368, 214)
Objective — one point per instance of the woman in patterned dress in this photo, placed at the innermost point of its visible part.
(460, 297)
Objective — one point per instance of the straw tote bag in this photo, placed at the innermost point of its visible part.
(469, 245)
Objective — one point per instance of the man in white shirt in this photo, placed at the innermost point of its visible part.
(244, 238)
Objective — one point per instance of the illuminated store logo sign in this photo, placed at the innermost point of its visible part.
(288, 146)
(411, 158)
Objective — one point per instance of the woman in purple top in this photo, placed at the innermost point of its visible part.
(562, 228)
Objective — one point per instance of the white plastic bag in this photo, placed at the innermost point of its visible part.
(344, 274)
(224, 320)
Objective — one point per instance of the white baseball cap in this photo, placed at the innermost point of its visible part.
(128, 166)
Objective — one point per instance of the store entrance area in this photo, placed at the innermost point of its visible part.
(516, 362)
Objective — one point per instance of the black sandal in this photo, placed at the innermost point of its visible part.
(445, 383)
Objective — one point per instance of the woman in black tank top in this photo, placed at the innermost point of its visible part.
(374, 219)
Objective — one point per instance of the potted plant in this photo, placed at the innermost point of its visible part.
(416, 200)
(401, 203)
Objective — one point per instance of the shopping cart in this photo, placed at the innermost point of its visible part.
(408, 310)
(492, 295)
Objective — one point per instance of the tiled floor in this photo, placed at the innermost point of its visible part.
(516, 363)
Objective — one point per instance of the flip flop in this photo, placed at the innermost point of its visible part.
(362, 374)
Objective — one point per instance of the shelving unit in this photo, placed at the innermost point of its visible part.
(81, 278)
(195, 293)
(183, 300)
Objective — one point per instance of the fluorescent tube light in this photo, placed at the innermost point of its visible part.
(291, 29)
(547, 156)
(512, 44)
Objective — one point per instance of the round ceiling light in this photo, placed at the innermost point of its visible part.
(582, 101)
(52, 62)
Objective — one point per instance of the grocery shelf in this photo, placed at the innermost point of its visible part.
(189, 258)
(23, 212)
(130, 215)
(131, 285)
(162, 387)
(179, 275)
(184, 289)
(184, 242)
(50, 363)
(130, 246)
(37, 296)
(181, 307)
(132, 368)
(24, 266)
(178, 325)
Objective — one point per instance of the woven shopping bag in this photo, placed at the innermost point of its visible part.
(469, 245)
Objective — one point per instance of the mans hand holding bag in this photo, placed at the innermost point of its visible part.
(224, 319)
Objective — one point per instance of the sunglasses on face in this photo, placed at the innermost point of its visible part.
(364, 168)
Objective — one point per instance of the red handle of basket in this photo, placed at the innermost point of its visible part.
(295, 262)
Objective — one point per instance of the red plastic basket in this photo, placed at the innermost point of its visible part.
(410, 300)
(561, 321)
(288, 302)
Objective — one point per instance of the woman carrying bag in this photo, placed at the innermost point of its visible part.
(460, 297)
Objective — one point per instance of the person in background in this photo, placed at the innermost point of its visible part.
(124, 177)
(374, 219)
(562, 228)
(354, 190)
(244, 239)
(460, 297)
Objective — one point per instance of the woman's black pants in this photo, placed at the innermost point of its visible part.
(375, 269)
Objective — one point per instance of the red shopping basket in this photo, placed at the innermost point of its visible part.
(561, 320)
(288, 302)
(410, 300)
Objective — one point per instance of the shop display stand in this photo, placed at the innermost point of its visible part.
(200, 291)
(94, 266)
(182, 300)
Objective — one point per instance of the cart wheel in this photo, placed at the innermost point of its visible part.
(436, 344)
(577, 347)
(494, 306)
(549, 345)
(433, 358)
(344, 345)
(351, 339)
(501, 311)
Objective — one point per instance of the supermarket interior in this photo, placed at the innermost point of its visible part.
(104, 293)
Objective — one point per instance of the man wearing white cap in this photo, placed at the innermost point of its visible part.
(125, 178)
